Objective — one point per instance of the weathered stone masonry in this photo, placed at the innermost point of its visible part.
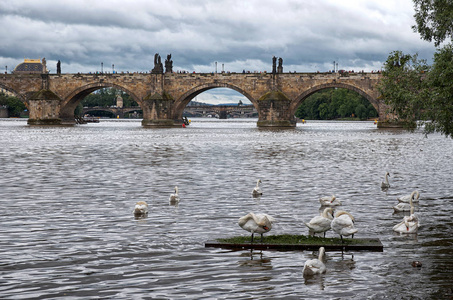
(52, 98)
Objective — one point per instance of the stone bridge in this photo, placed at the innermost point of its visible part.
(116, 111)
(52, 98)
(221, 110)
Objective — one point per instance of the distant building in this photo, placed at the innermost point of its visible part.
(31, 66)
(119, 101)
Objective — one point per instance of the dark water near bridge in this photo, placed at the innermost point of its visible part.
(67, 193)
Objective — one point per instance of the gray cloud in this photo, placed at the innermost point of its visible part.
(243, 35)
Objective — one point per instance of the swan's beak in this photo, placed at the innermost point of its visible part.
(265, 228)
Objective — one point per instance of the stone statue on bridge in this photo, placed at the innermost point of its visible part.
(168, 64)
(274, 65)
(280, 65)
(158, 67)
(44, 65)
(276, 69)
(58, 67)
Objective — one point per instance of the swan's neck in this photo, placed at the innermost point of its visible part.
(327, 213)
(321, 254)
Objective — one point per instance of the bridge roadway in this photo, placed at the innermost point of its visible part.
(52, 98)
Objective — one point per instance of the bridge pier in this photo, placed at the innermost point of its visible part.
(157, 111)
(44, 108)
(387, 119)
(222, 114)
(274, 111)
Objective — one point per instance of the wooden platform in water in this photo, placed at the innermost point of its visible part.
(300, 243)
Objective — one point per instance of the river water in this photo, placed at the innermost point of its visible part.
(67, 194)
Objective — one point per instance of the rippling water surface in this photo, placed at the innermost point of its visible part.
(67, 194)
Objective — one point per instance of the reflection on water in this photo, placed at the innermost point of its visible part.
(67, 196)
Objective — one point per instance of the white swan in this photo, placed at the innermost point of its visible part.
(329, 201)
(402, 206)
(409, 224)
(141, 209)
(385, 184)
(174, 198)
(343, 224)
(315, 266)
(257, 190)
(321, 224)
(256, 223)
(415, 195)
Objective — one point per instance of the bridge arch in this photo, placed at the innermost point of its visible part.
(83, 91)
(71, 100)
(16, 94)
(296, 102)
(182, 102)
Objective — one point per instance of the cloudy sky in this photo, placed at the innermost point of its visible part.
(237, 34)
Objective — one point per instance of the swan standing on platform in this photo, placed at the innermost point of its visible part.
(343, 224)
(329, 201)
(256, 223)
(415, 195)
(385, 184)
(257, 190)
(174, 198)
(409, 224)
(141, 209)
(321, 224)
(315, 266)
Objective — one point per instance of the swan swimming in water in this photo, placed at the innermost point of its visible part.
(343, 224)
(257, 190)
(174, 198)
(256, 223)
(321, 224)
(141, 209)
(329, 201)
(415, 195)
(402, 206)
(385, 184)
(409, 224)
(315, 266)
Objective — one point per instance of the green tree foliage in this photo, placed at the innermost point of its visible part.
(416, 91)
(15, 105)
(331, 104)
(107, 97)
(434, 20)
(402, 85)
(439, 103)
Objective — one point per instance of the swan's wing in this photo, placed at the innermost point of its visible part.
(314, 266)
(244, 219)
(404, 198)
(343, 221)
(320, 221)
(259, 217)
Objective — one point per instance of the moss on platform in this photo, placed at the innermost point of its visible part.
(290, 239)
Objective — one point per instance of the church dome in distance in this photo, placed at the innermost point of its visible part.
(31, 66)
